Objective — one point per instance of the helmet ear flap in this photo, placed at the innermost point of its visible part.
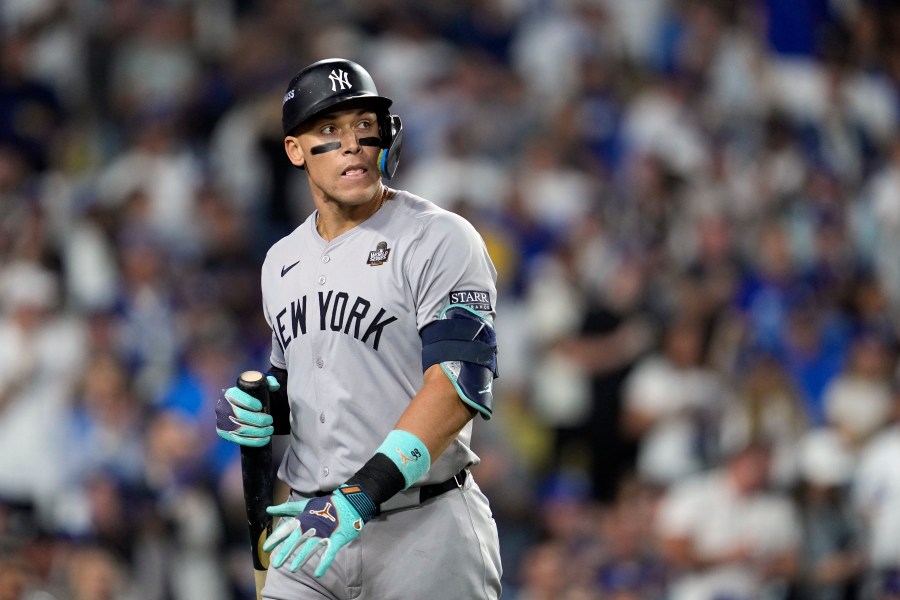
(391, 130)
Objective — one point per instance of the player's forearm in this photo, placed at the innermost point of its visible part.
(425, 429)
(436, 414)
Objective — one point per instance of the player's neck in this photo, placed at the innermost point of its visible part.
(334, 218)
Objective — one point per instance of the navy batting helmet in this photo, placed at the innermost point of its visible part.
(329, 83)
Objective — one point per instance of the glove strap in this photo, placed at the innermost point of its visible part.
(360, 500)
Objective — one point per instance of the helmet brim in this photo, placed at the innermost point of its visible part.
(378, 104)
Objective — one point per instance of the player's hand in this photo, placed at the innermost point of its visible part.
(329, 522)
(239, 417)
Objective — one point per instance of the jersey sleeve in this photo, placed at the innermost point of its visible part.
(277, 355)
(451, 265)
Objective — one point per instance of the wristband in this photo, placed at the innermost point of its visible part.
(408, 453)
(385, 473)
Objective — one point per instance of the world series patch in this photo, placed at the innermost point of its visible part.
(379, 255)
(480, 301)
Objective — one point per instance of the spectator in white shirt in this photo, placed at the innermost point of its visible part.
(726, 534)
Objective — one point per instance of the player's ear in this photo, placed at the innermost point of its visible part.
(294, 151)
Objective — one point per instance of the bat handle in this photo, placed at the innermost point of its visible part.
(256, 470)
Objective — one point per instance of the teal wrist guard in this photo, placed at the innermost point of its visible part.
(408, 453)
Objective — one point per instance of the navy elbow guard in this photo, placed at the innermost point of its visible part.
(464, 343)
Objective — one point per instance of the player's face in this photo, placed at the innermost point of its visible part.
(340, 153)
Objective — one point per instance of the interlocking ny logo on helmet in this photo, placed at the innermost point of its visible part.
(341, 78)
(325, 85)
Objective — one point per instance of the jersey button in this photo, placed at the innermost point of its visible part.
(326, 258)
(321, 417)
(320, 363)
(321, 279)
(325, 472)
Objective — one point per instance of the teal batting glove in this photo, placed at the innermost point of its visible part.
(330, 522)
(239, 417)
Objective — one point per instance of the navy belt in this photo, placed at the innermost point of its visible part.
(427, 492)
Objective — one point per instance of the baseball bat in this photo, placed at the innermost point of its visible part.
(258, 480)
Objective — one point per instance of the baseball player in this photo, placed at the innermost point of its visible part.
(383, 350)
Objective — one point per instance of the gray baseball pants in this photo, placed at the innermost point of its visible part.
(443, 549)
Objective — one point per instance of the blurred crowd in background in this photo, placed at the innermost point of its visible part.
(693, 206)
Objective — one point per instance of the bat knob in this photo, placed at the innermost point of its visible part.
(251, 377)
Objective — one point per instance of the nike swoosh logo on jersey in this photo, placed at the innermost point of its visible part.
(287, 268)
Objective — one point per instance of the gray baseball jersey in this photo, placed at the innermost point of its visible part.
(345, 317)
